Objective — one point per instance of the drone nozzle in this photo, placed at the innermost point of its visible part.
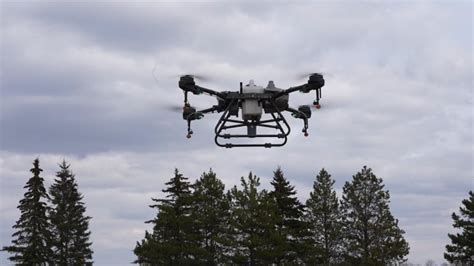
(316, 104)
(306, 134)
(188, 136)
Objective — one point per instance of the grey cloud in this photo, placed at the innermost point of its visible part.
(77, 83)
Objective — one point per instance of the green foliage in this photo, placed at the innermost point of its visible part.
(32, 239)
(325, 221)
(210, 216)
(250, 223)
(372, 235)
(70, 225)
(461, 250)
(200, 224)
(289, 228)
(173, 239)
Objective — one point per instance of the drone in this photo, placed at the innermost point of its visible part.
(251, 101)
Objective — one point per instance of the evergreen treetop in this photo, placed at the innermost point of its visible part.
(32, 239)
(173, 239)
(210, 213)
(461, 250)
(372, 235)
(251, 223)
(289, 225)
(70, 224)
(325, 221)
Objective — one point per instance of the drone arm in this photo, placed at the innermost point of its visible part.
(290, 90)
(209, 91)
(315, 82)
(187, 84)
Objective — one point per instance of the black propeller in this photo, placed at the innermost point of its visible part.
(197, 77)
(306, 75)
(179, 108)
(174, 108)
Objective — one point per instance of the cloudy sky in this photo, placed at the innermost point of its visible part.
(77, 84)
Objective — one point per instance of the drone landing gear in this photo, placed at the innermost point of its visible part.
(318, 96)
(277, 122)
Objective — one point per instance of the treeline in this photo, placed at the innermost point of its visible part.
(203, 224)
(51, 234)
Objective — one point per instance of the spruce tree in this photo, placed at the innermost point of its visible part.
(173, 239)
(210, 212)
(324, 218)
(289, 228)
(371, 232)
(461, 250)
(32, 239)
(251, 223)
(70, 225)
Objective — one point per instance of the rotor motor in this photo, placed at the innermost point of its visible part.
(188, 111)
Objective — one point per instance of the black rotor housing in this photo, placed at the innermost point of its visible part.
(188, 110)
(187, 83)
(316, 80)
(306, 110)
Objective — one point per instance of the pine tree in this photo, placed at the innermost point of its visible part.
(371, 232)
(461, 250)
(173, 239)
(324, 218)
(210, 213)
(251, 223)
(70, 230)
(289, 227)
(32, 240)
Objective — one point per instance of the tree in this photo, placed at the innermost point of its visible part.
(287, 245)
(173, 239)
(325, 221)
(372, 235)
(251, 223)
(461, 250)
(70, 225)
(210, 212)
(32, 240)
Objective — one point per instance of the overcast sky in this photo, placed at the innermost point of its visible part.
(77, 84)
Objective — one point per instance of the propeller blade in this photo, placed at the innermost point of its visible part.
(174, 108)
(177, 108)
(199, 77)
(306, 75)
